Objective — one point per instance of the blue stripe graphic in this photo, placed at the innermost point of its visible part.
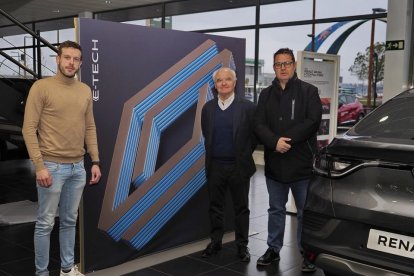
(128, 161)
(133, 214)
(159, 123)
(168, 211)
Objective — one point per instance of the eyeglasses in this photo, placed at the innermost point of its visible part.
(286, 64)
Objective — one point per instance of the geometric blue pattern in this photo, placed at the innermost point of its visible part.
(171, 110)
(128, 161)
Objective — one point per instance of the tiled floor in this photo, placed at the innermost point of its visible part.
(16, 242)
(17, 183)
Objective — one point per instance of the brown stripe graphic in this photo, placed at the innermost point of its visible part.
(108, 216)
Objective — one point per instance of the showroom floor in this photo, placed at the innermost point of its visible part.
(17, 257)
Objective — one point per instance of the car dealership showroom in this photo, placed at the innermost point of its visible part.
(148, 205)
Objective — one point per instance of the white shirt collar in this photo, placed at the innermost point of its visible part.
(224, 104)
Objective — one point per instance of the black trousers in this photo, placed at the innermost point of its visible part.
(220, 178)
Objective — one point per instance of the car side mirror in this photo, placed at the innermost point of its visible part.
(340, 104)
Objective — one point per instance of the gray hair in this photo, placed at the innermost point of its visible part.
(232, 72)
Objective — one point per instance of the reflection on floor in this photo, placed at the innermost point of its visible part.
(17, 257)
(17, 183)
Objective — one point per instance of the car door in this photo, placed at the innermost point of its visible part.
(352, 107)
(343, 110)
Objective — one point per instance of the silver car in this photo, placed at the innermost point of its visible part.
(359, 214)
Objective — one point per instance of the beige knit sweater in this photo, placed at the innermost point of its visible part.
(59, 122)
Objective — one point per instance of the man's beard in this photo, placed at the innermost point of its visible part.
(61, 69)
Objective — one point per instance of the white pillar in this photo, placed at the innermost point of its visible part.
(397, 62)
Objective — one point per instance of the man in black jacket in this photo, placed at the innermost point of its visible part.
(287, 119)
(227, 126)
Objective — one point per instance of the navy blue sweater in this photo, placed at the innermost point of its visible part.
(223, 146)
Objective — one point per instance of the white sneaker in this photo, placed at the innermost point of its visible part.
(73, 272)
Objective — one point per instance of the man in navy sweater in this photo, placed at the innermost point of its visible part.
(227, 126)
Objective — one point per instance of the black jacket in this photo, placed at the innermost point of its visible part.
(243, 134)
(295, 113)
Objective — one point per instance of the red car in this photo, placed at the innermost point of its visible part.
(350, 110)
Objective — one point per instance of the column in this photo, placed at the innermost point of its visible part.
(399, 63)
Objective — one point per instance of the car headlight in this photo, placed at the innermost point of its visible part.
(340, 165)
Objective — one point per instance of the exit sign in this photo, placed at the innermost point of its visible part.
(394, 45)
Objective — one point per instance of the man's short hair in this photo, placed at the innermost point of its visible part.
(232, 72)
(69, 44)
(284, 51)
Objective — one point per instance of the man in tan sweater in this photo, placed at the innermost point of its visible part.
(58, 123)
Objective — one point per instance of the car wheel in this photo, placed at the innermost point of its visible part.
(360, 117)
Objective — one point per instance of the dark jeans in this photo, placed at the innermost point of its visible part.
(220, 178)
(278, 197)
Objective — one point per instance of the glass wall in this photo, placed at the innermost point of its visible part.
(358, 41)
(282, 24)
(8, 44)
(22, 48)
(214, 19)
(48, 56)
(286, 12)
(336, 8)
(248, 81)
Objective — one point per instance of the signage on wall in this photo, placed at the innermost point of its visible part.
(394, 45)
(322, 70)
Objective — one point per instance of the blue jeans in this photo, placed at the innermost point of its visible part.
(278, 197)
(68, 181)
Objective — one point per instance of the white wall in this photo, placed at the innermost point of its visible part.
(397, 62)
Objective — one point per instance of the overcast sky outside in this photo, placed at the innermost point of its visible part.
(293, 37)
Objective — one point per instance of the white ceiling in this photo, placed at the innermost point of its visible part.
(37, 10)
(43, 11)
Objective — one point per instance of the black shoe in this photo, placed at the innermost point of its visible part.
(268, 257)
(211, 249)
(244, 254)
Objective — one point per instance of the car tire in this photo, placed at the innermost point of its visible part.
(360, 117)
(329, 274)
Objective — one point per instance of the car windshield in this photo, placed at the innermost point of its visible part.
(394, 119)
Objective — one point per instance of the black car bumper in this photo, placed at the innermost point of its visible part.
(340, 247)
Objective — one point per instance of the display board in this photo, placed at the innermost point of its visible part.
(322, 70)
(149, 86)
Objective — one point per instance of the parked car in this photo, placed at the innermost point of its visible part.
(350, 110)
(359, 218)
(12, 145)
